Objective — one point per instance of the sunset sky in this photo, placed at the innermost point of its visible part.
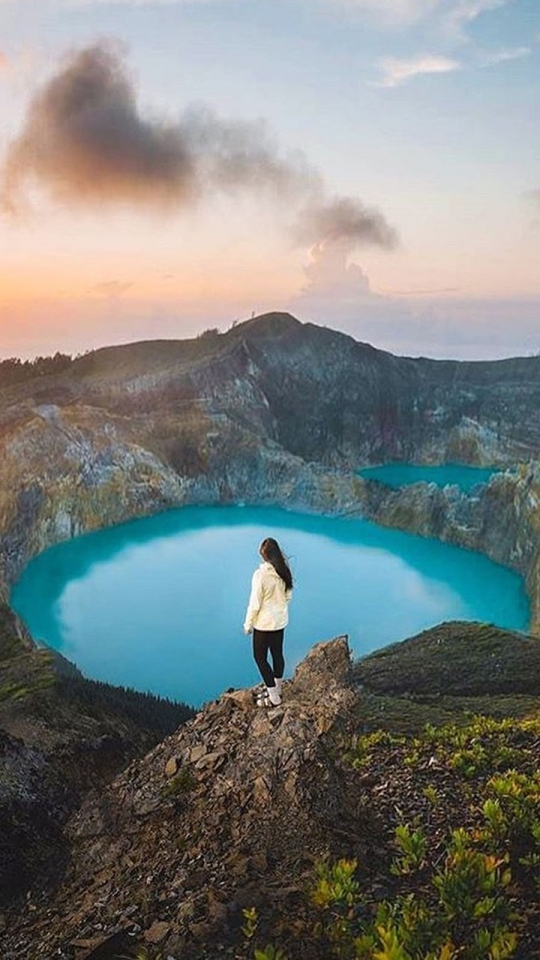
(170, 165)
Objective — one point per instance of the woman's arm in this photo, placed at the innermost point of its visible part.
(255, 601)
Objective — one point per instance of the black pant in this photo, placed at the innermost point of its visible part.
(264, 641)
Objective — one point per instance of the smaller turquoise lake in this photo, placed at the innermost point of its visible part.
(402, 474)
(158, 604)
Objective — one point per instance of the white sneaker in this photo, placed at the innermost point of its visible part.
(265, 700)
(274, 696)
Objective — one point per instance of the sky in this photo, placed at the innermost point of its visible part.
(172, 165)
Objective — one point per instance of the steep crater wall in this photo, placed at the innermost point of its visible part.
(273, 412)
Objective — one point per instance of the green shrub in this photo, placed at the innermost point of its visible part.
(183, 782)
(413, 846)
(251, 922)
(361, 752)
(512, 820)
(270, 953)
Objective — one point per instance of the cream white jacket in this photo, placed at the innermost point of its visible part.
(268, 602)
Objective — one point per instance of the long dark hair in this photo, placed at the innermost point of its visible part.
(271, 552)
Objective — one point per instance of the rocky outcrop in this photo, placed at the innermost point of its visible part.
(234, 809)
(226, 813)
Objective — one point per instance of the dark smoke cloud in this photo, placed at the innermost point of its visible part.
(344, 222)
(235, 154)
(85, 140)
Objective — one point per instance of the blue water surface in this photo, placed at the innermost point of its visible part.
(158, 604)
(402, 474)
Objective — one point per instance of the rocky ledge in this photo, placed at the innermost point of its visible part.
(234, 810)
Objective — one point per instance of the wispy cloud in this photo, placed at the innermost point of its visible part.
(464, 12)
(454, 16)
(392, 12)
(502, 56)
(396, 72)
(111, 289)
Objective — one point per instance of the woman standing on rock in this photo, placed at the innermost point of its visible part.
(267, 615)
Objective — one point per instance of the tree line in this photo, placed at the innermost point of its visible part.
(14, 370)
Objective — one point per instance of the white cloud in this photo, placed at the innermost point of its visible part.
(453, 15)
(396, 72)
(331, 277)
(502, 56)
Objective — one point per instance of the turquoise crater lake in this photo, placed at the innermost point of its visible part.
(403, 474)
(158, 604)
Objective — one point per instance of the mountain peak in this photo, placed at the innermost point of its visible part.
(269, 324)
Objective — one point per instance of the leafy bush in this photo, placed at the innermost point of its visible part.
(362, 748)
(464, 910)
(512, 820)
(209, 334)
(413, 846)
(183, 782)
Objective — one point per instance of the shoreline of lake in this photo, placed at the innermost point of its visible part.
(80, 556)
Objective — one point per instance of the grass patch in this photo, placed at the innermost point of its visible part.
(19, 691)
